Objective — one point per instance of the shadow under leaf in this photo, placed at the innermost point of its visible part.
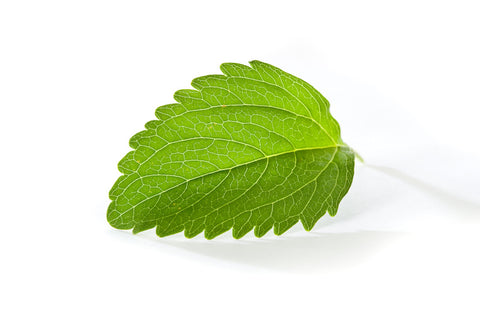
(311, 252)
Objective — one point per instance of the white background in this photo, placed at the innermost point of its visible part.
(79, 78)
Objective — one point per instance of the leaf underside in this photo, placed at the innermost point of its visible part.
(253, 148)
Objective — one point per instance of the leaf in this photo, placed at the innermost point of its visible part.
(253, 148)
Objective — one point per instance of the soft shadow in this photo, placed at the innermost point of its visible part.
(311, 252)
(467, 208)
(322, 250)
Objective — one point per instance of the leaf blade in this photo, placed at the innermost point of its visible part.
(211, 160)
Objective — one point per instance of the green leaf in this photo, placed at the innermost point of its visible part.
(253, 148)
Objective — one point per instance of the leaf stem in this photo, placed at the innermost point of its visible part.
(358, 156)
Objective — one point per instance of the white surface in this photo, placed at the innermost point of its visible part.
(77, 79)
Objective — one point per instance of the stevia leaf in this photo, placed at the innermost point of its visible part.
(253, 148)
